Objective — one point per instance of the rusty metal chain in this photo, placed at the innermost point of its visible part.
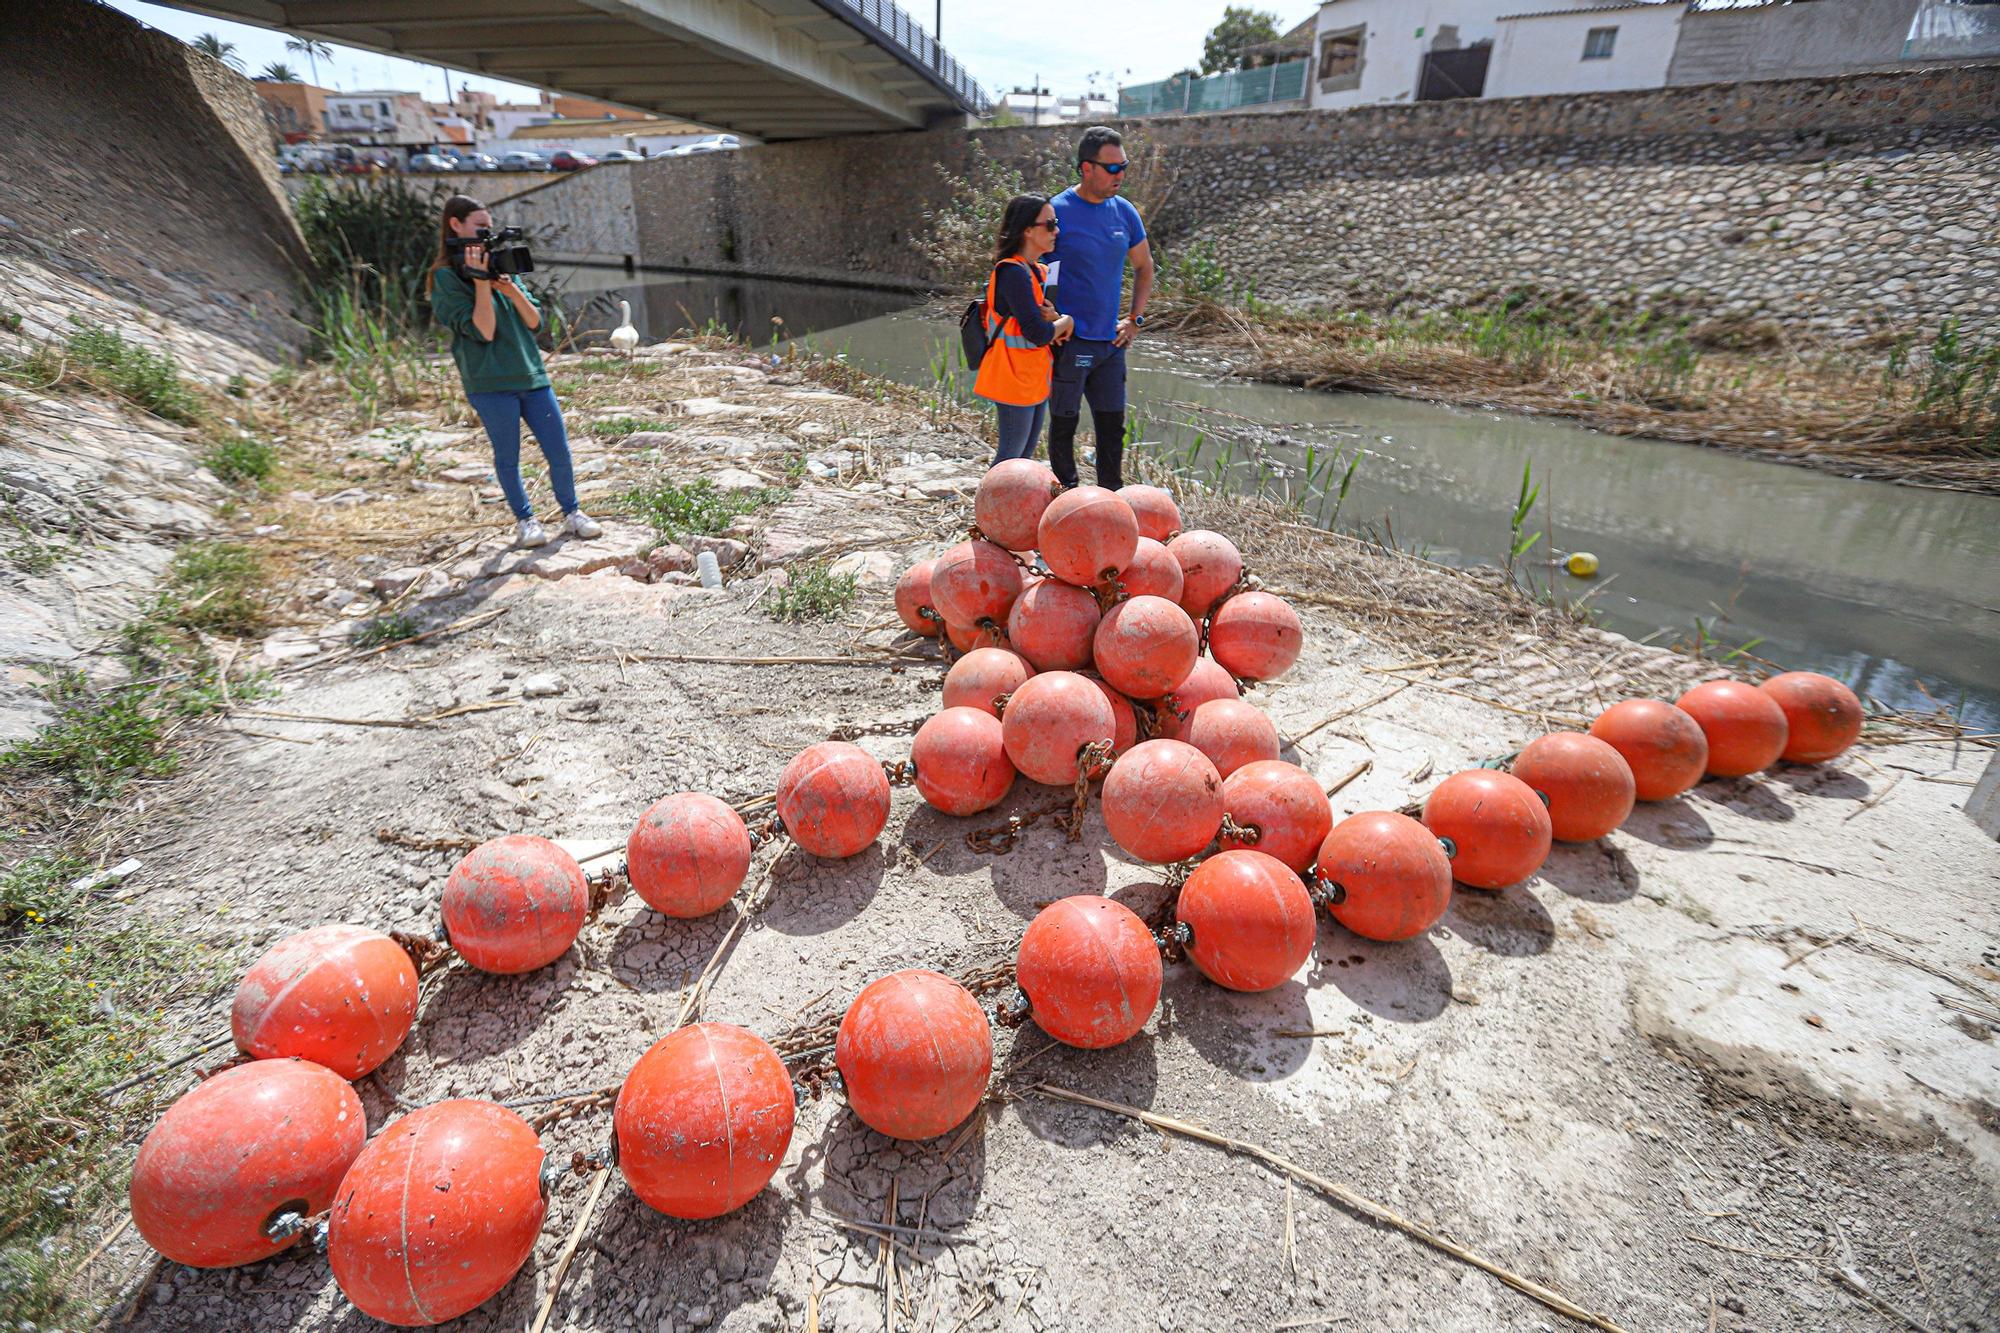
(999, 839)
(848, 733)
(1243, 835)
(771, 829)
(427, 952)
(902, 773)
(1242, 584)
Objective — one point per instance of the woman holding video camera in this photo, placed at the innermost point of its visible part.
(493, 321)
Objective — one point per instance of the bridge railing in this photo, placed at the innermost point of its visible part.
(890, 24)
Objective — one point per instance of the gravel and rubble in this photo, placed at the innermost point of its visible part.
(1695, 1076)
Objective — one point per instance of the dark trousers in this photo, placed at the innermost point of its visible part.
(1094, 372)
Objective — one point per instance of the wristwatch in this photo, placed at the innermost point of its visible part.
(1138, 321)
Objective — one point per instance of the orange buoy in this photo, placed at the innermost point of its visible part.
(1090, 970)
(236, 1153)
(1286, 807)
(965, 638)
(1051, 625)
(1145, 646)
(339, 996)
(1087, 535)
(1210, 566)
(1205, 681)
(1664, 746)
(1159, 517)
(1162, 801)
(1586, 784)
(1822, 716)
(438, 1213)
(1153, 572)
(913, 599)
(1232, 733)
(1255, 636)
(688, 855)
(1009, 503)
(961, 761)
(514, 904)
(1745, 727)
(1049, 721)
(1389, 876)
(914, 1052)
(1250, 918)
(1124, 719)
(833, 799)
(703, 1120)
(983, 675)
(975, 582)
(1498, 828)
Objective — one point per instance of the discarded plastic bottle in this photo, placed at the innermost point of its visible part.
(711, 572)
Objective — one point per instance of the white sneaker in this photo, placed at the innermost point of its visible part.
(580, 524)
(528, 532)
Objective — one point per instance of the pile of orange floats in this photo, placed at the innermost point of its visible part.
(1099, 640)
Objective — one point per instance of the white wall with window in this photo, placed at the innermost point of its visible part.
(1601, 49)
(1369, 52)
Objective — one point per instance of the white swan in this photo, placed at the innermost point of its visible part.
(624, 338)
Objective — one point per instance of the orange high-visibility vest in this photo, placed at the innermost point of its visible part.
(1015, 371)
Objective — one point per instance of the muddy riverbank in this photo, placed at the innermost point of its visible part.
(1712, 1038)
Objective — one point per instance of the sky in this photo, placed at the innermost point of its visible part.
(1128, 41)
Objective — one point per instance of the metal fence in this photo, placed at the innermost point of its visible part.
(1219, 92)
(888, 23)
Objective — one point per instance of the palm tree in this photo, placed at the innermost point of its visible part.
(313, 49)
(279, 72)
(211, 45)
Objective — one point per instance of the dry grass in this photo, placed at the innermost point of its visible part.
(1833, 409)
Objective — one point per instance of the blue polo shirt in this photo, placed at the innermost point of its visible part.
(1091, 247)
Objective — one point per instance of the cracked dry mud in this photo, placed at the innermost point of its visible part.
(1607, 1079)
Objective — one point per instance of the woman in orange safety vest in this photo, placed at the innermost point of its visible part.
(1021, 326)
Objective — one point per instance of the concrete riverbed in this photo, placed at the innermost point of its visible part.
(1731, 1067)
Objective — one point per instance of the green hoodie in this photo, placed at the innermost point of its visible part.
(510, 362)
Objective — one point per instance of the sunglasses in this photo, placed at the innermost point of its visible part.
(1110, 168)
(1051, 224)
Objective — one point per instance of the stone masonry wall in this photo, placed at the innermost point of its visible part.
(144, 168)
(1841, 205)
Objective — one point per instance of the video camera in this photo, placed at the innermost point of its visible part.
(506, 253)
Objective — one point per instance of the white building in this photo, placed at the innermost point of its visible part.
(1038, 106)
(1601, 49)
(383, 118)
(1368, 52)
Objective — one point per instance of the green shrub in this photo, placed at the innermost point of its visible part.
(814, 592)
(386, 629)
(215, 588)
(98, 741)
(149, 379)
(695, 508)
(240, 459)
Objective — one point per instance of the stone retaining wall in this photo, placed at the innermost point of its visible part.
(1838, 205)
(145, 168)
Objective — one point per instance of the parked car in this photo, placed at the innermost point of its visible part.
(621, 155)
(523, 161)
(431, 162)
(478, 162)
(565, 160)
(713, 143)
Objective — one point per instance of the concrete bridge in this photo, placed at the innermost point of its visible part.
(777, 69)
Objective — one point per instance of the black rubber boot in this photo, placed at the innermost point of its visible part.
(1110, 428)
(1062, 449)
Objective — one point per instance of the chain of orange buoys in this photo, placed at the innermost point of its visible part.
(702, 1120)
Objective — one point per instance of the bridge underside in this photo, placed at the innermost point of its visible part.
(777, 69)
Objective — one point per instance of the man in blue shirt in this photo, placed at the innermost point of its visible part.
(1100, 233)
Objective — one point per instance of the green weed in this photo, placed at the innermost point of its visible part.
(240, 459)
(695, 508)
(238, 387)
(616, 427)
(98, 742)
(814, 592)
(386, 629)
(104, 359)
(215, 588)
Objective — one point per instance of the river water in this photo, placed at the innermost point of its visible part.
(1894, 589)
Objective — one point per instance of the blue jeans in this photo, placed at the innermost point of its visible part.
(1020, 430)
(502, 413)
